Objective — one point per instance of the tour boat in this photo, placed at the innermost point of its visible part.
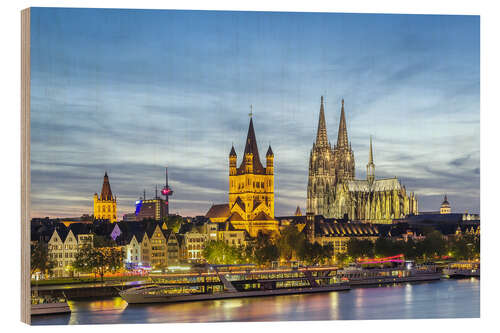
(49, 305)
(463, 269)
(220, 282)
(400, 271)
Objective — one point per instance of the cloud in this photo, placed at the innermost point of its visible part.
(131, 100)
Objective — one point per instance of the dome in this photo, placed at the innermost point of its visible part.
(445, 203)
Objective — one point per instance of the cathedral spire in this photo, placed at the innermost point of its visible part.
(321, 136)
(370, 167)
(371, 152)
(342, 140)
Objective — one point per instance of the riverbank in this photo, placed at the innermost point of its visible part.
(449, 298)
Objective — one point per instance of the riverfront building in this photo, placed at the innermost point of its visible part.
(63, 247)
(333, 191)
(337, 233)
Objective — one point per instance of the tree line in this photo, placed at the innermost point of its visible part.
(290, 245)
(434, 245)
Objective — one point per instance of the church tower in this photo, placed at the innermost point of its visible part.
(343, 155)
(321, 170)
(251, 188)
(105, 205)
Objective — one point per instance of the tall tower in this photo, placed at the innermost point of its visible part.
(105, 205)
(321, 170)
(251, 188)
(370, 167)
(343, 155)
(167, 192)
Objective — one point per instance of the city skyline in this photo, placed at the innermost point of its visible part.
(133, 107)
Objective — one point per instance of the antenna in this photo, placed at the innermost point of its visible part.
(144, 194)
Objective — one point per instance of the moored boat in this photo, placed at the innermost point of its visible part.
(463, 269)
(221, 282)
(49, 305)
(364, 273)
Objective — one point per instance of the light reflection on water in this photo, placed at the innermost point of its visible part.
(442, 299)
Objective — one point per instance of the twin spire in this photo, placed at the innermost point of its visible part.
(342, 139)
(322, 137)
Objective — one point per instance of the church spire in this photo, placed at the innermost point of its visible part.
(370, 167)
(371, 152)
(321, 136)
(106, 193)
(342, 140)
(251, 148)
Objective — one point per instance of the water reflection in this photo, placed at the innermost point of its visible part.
(442, 299)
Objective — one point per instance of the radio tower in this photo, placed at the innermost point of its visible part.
(167, 191)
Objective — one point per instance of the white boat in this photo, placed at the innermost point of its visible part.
(358, 275)
(463, 269)
(49, 305)
(213, 284)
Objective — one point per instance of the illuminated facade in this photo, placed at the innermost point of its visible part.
(334, 192)
(337, 233)
(154, 209)
(105, 205)
(251, 191)
(63, 247)
(445, 206)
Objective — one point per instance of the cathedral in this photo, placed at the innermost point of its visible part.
(251, 191)
(105, 205)
(333, 191)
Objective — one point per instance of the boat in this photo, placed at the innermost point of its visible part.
(224, 281)
(463, 269)
(376, 271)
(46, 305)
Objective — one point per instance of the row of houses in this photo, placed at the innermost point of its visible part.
(145, 244)
(153, 245)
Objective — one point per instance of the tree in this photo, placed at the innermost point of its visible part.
(342, 258)
(89, 259)
(433, 245)
(410, 249)
(358, 248)
(173, 222)
(385, 247)
(266, 254)
(315, 253)
(40, 261)
(218, 252)
(465, 247)
(290, 242)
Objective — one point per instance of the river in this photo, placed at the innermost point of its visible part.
(440, 299)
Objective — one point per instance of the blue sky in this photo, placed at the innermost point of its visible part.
(130, 91)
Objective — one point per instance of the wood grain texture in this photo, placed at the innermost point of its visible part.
(25, 167)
